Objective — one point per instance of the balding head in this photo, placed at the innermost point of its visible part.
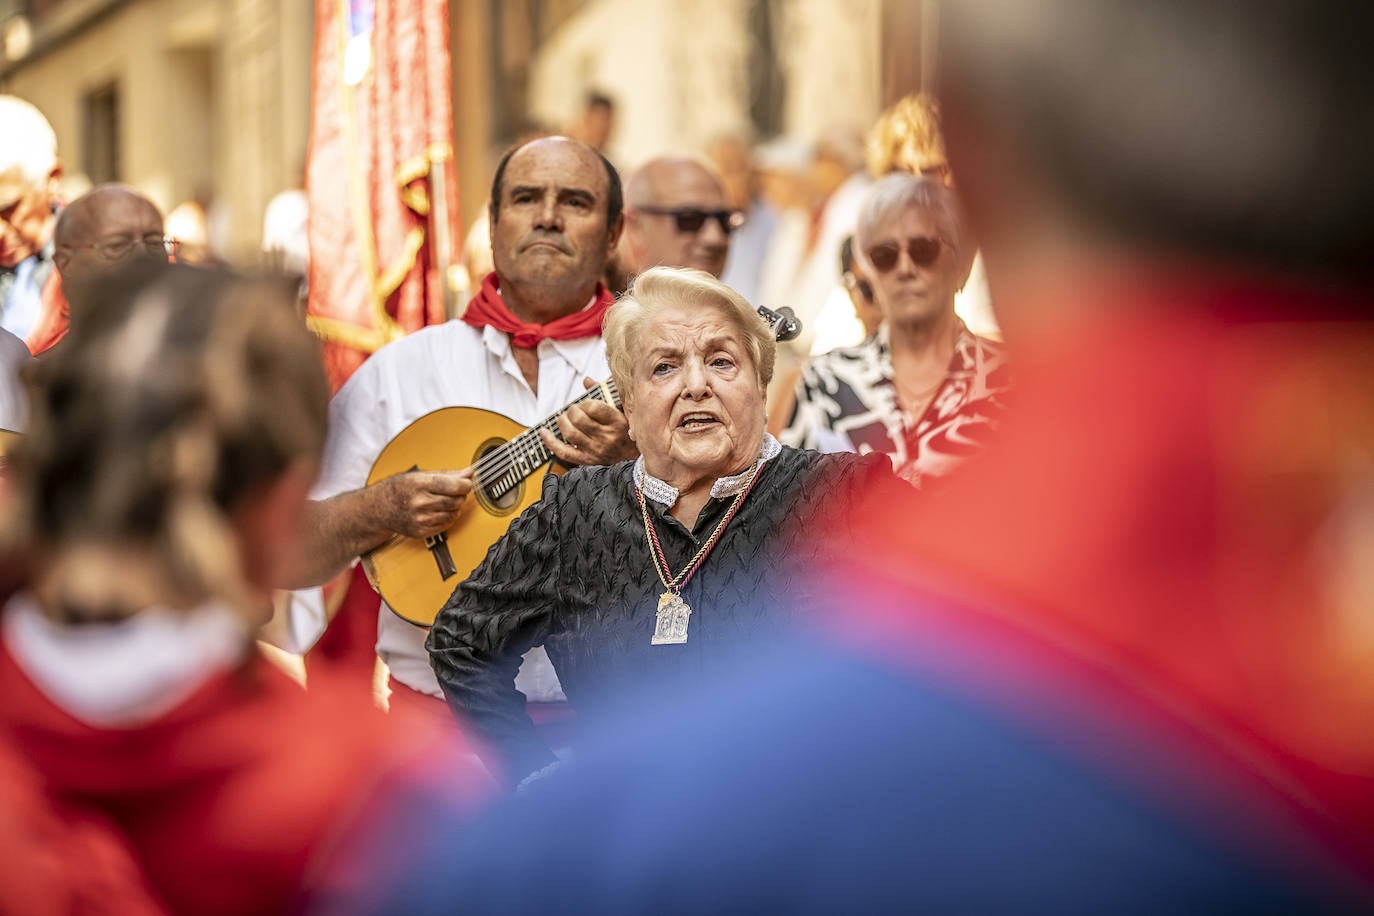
(104, 227)
(555, 219)
(676, 216)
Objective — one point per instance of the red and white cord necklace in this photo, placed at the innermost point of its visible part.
(670, 624)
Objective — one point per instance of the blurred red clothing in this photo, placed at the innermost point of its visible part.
(56, 864)
(350, 641)
(1174, 526)
(235, 800)
(53, 320)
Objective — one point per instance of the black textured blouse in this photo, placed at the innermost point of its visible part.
(574, 573)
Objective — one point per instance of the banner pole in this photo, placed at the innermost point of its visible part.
(440, 237)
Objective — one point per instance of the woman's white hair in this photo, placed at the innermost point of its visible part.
(898, 191)
(660, 287)
(27, 142)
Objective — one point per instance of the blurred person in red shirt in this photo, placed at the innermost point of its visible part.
(156, 500)
(1124, 664)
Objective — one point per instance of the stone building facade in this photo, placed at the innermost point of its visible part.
(184, 97)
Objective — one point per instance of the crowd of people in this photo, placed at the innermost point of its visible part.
(1078, 621)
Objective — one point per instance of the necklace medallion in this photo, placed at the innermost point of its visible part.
(670, 626)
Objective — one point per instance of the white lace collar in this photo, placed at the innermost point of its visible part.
(666, 494)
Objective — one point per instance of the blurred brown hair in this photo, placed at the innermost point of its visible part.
(177, 393)
(1230, 129)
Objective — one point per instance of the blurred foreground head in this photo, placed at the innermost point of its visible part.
(172, 440)
(1228, 130)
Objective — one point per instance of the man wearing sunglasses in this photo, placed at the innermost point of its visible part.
(923, 390)
(676, 216)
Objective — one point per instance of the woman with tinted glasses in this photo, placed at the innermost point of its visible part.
(923, 390)
(907, 137)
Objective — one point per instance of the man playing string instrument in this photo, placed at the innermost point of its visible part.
(526, 344)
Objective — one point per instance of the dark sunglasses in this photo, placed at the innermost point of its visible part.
(691, 219)
(922, 251)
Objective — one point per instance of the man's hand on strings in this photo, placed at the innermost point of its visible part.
(593, 432)
(418, 504)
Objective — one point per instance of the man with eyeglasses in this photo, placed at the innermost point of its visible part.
(676, 216)
(97, 232)
(924, 390)
(109, 224)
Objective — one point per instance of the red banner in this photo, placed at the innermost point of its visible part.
(382, 118)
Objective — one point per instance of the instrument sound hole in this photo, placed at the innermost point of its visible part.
(494, 480)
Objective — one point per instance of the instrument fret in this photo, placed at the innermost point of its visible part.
(526, 453)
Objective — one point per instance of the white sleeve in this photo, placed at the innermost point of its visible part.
(14, 356)
(357, 433)
(302, 620)
(355, 437)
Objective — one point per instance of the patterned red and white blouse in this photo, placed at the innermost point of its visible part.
(847, 402)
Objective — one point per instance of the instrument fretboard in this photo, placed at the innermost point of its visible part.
(503, 468)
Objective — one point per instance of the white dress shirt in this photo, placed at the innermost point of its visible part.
(14, 401)
(447, 365)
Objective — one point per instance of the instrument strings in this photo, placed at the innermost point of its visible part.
(502, 468)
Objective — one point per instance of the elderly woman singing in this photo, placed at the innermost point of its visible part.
(658, 567)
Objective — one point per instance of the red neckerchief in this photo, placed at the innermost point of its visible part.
(488, 308)
(53, 319)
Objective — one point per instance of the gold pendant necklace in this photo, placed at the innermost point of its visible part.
(673, 615)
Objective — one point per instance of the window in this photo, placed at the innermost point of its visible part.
(100, 134)
(767, 87)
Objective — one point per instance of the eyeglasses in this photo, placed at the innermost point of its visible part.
(118, 249)
(922, 251)
(863, 286)
(691, 219)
